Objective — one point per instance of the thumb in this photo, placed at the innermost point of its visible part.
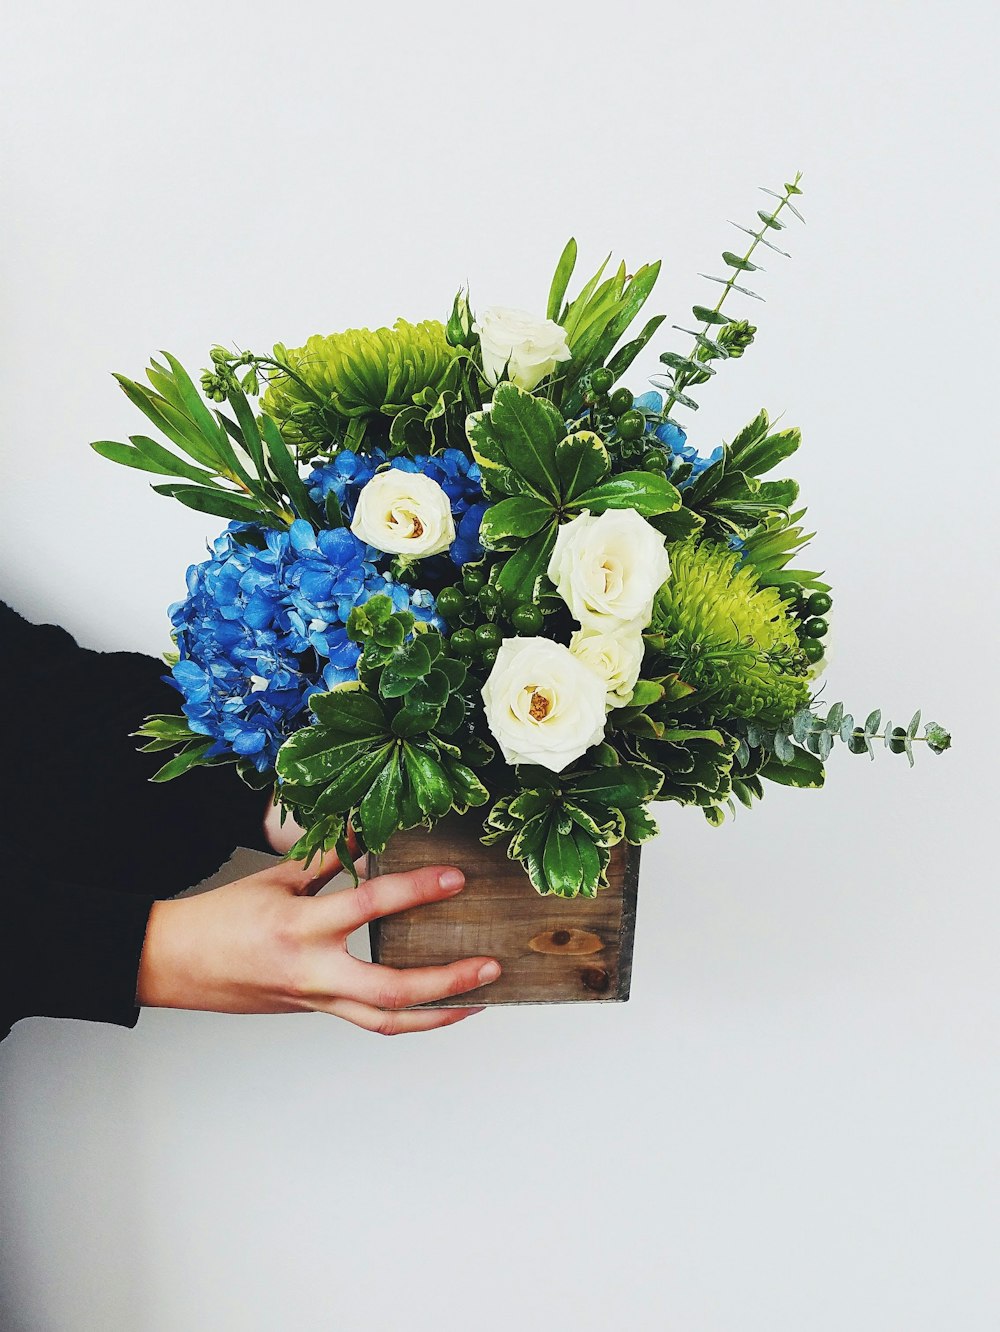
(296, 877)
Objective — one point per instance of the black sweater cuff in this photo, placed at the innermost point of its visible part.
(72, 953)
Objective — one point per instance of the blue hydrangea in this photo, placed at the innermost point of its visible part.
(262, 630)
(671, 437)
(344, 477)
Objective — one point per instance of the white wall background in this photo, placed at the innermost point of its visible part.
(793, 1125)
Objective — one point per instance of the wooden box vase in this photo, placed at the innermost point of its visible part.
(552, 950)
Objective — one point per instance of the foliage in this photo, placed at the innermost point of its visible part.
(818, 734)
(562, 827)
(385, 752)
(538, 476)
(211, 476)
(596, 320)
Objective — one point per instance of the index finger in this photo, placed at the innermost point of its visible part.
(394, 892)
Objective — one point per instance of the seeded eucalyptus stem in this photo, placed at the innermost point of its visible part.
(683, 377)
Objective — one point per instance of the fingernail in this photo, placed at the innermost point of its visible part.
(451, 880)
(489, 972)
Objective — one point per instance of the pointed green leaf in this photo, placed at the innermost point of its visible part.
(516, 580)
(562, 865)
(804, 770)
(148, 456)
(379, 810)
(560, 280)
(529, 429)
(287, 472)
(221, 503)
(350, 710)
(431, 786)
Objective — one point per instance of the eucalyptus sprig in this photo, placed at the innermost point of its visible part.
(686, 370)
(818, 734)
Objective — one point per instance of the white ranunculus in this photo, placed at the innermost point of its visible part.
(543, 705)
(615, 656)
(608, 569)
(405, 513)
(518, 343)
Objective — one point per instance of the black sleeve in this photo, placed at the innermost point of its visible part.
(73, 911)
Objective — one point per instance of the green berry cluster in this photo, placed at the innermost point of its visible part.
(811, 609)
(476, 619)
(469, 609)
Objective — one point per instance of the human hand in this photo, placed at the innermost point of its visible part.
(266, 944)
(280, 828)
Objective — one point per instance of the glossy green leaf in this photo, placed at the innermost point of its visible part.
(188, 758)
(431, 786)
(352, 780)
(581, 462)
(516, 580)
(379, 810)
(803, 770)
(528, 429)
(350, 710)
(510, 521)
(562, 865)
(647, 492)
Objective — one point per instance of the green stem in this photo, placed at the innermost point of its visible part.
(287, 370)
(681, 382)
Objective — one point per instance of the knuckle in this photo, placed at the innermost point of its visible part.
(462, 979)
(292, 954)
(387, 1025)
(391, 994)
(365, 897)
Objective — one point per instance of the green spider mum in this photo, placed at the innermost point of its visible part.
(730, 637)
(359, 373)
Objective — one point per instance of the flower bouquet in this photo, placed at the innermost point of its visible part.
(469, 576)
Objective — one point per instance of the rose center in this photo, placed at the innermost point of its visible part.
(402, 518)
(540, 705)
(611, 571)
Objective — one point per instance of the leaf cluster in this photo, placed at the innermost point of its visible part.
(259, 483)
(730, 496)
(536, 476)
(561, 827)
(390, 751)
(596, 320)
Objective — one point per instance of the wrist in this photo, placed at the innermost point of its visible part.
(165, 979)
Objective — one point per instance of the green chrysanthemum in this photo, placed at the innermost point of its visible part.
(359, 373)
(730, 637)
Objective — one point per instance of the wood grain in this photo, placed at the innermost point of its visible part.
(551, 950)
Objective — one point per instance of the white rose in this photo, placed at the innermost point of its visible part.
(518, 343)
(543, 705)
(405, 513)
(615, 656)
(608, 569)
